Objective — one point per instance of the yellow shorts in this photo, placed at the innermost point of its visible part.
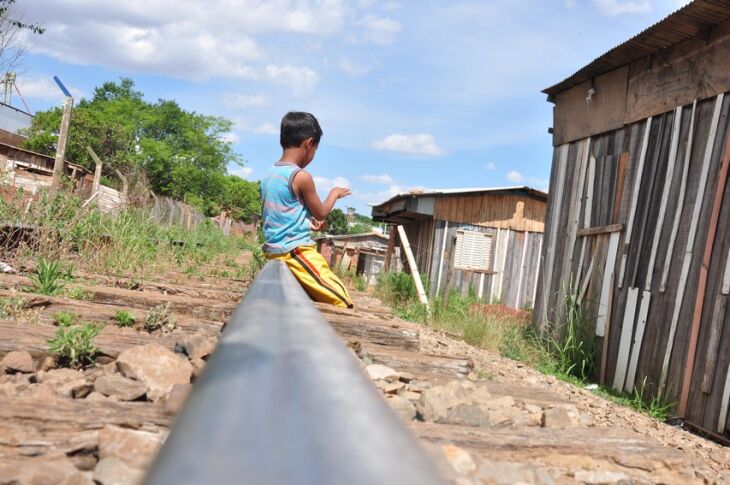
(315, 276)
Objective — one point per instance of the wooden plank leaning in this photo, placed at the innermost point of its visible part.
(607, 286)
(689, 249)
(412, 265)
(625, 341)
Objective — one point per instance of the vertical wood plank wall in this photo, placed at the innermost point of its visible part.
(502, 284)
(664, 204)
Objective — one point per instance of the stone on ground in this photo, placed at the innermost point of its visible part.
(561, 417)
(403, 407)
(18, 361)
(197, 346)
(41, 470)
(379, 372)
(136, 448)
(177, 398)
(508, 473)
(113, 471)
(120, 387)
(459, 459)
(156, 367)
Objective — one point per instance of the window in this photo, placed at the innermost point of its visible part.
(473, 251)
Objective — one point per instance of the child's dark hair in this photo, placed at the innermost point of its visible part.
(297, 126)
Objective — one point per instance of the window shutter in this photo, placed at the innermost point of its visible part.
(473, 251)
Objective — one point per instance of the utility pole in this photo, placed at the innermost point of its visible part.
(62, 137)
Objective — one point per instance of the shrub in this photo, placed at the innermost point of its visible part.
(48, 279)
(77, 293)
(65, 319)
(12, 307)
(124, 318)
(160, 318)
(74, 344)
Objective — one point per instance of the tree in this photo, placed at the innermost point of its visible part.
(183, 154)
(12, 26)
(336, 222)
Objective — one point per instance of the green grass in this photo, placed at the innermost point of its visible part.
(124, 318)
(65, 319)
(48, 279)
(160, 318)
(77, 293)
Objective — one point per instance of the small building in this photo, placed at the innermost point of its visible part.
(637, 225)
(482, 240)
(362, 253)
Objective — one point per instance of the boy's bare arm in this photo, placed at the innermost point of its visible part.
(303, 185)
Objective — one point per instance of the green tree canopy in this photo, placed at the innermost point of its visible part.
(336, 222)
(182, 153)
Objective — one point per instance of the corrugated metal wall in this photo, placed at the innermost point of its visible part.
(661, 179)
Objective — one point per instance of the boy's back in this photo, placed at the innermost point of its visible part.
(292, 208)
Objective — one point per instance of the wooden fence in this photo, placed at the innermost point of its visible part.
(638, 221)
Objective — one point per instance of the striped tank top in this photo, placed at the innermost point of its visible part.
(285, 218)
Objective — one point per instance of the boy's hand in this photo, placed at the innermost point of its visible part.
(341, 192)
(318, 226)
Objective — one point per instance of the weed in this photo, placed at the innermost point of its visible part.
(74, 344)
(124, 318)
(77, 293)
(65, 319)
(48, 279)
(13, 307)
(360, 283)
(160, 318)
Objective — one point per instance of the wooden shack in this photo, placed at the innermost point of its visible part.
(31, 171)
(362, 253)
(482, 240)
(638, 225)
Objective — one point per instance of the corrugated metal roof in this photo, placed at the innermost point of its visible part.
(695, 18)
(435, 192)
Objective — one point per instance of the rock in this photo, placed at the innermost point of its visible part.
(59, 375)
(197, 346)
(97, 396)
(406, 377)
(389, 387)
(41, 470)
(12, 385)
(113, 471)
(464, 403)
(120, 387)
(460, 460)
(472, 376)
(403, 407)
(80, 479)
(379, 372)
(507, 473)
(156, 367)
(48, 362)
(18, 361)
(411, 396)
(602, 477)
(136, 448)
(177, 398)
(198, 366)
(77, 389)
(561, 417)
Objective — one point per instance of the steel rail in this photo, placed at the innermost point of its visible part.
(282, 401)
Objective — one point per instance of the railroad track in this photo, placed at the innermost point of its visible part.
(285, 399)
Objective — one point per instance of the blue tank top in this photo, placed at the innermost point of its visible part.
(286, 224)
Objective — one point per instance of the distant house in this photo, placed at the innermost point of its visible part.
(638, 220)
(362, 253)
(484, 240)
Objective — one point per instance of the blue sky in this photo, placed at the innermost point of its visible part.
(427, 94)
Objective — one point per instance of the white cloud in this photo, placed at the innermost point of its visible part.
(379, 30)
(612, 8)
(378, 179)
(416, 144)
(297, 78)
(353, 69)
(45, 88)
(243, 172)
(245, 100)
(490, 166)
(203, 40)
(245, 125)
(230, 138)
(326, 184)
(515, 176)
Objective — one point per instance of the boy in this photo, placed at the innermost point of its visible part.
(291, 209)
